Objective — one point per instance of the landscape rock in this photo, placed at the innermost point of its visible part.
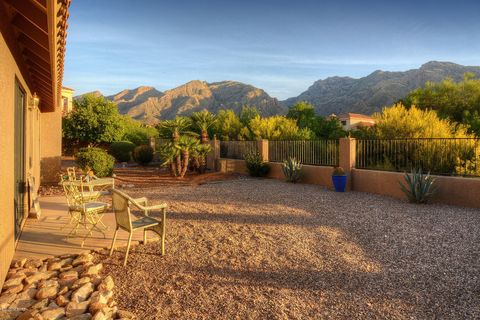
(82, 259)
(82, 293)
(85, 316)
(61, 301)
(106, 284)
(93, 270)
(6, 299)
(53, 314)
(12, 282)
(14, 289)
(76, 308)
(49, 292)
(33, 263)
(28, 314)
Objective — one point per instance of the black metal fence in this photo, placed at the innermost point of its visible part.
(311, 152)
(237, 149)
(436, 155)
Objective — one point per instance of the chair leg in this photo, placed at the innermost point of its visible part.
(163, 230)
(113, 242)
(144, 236)
(128, 248)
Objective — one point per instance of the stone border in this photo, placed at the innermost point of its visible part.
(63, 287)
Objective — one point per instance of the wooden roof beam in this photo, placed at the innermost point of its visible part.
(30, 12)
(26, 42)
(31, 31)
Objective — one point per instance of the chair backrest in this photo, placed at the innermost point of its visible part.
(72, 175)
(74, 194)
(121, 208)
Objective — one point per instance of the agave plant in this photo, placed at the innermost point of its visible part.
(419, 187)
(203, 120)
(292, 169)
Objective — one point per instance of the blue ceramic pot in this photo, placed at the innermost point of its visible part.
(339, 182)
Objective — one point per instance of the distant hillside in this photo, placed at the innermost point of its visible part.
(381, 88)
(333, 95)
(150, 105)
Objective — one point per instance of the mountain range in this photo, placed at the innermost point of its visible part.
(332, 95)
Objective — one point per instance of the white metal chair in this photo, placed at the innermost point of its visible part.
(121, 208)
(82, 210)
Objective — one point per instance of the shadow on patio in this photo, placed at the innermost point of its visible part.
(44, 238)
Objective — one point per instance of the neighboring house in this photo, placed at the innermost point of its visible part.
(351, 121)
(32, 49)
(67, 100)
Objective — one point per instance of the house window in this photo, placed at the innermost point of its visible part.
(344, 123)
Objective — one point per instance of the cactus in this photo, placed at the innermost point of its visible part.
(419, 187)
(292, 169)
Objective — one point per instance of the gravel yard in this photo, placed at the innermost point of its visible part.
(265, 249)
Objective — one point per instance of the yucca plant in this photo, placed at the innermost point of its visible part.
(419, 187)
(292, 169)
(185, 145)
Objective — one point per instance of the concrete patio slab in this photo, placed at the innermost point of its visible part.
(44, 238)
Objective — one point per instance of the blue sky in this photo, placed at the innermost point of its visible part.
(277, 45)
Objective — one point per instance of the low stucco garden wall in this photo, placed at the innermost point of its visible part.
(458, 191)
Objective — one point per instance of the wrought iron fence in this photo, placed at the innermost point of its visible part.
(311, 152)
(436, 155)
(237, 149)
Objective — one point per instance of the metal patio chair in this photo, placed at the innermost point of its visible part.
(121, 208)
(83, 211)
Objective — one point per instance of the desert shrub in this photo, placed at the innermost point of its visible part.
(143, 154)
(419, 187)
(255, 165)
(292, 169)
(122, 150)
(95, 159)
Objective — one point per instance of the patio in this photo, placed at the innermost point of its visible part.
(44, 238)
(261, 248)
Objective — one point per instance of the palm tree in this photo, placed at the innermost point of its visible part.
(174, 128)
(203, 120)
(200, 156)
(185, 145)
(171, 157)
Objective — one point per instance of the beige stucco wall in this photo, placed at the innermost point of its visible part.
(451, 190)
(312, 174)
(9, 73)
(50, 146)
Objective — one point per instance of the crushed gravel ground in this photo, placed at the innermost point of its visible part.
(266, 249)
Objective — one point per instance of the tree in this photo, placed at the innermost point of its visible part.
(303, 113)
(247, 114)
(172, 129)
(399, 122)
(278, 128)
(136, 132)
(94, 121)
(458, 102)
(202, 121)
(328, 128)
(228, 126)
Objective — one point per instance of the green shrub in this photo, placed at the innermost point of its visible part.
(292, 169)
(143, 155)
(255, 165)
(95, 159)
(419, 186)
(122, 150)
